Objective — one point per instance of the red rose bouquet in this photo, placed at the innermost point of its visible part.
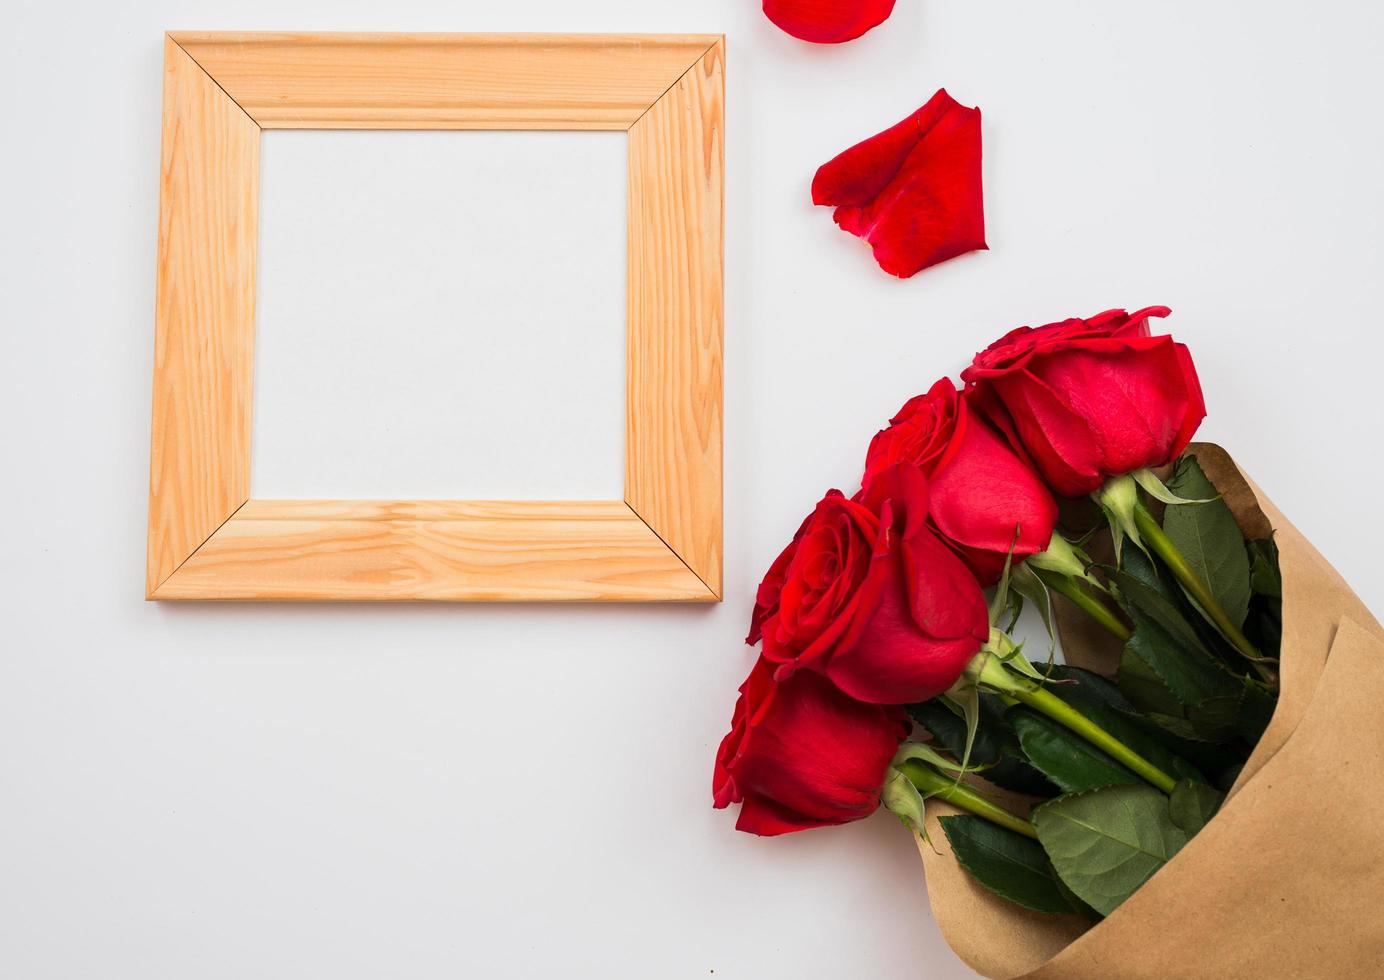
(1048, 794)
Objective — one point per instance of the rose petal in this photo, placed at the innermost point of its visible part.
(913, 191)
(802, 754)
(984, 499)
(766, 601)
(897, 662)
(1196, 407)
(1059, 440)
(946, 603)
(929, 617)
(857, 175)
(987, 502)
(763, 817)
(1134, 398)
(827, 21)
(1085, 400)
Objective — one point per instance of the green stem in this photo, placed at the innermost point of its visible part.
(988, 670)
(1073, 590)
(1041, 699)
(1155, 538)
(930, 782)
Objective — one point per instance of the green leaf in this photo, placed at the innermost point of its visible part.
(1255, 711)
(996, 746)
(1067, 759)
(1192, 805)
(1138, 735)
(1079, 686)
(1145, 603)
(1264, 627)
(1217, 719)
(1227, 778)
(1154, 574)
(1009, 864)
(1214, 720)
(1139, 565)
(1170, 648)
(1169, 740)
(1209, 539)
(1264, 577)
(1105, 844)
(1146, 690)
(1264, 624)
(949, 730)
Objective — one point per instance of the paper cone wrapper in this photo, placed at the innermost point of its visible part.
(1287, 880)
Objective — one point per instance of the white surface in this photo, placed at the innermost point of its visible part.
(202, 791)
(441, 315)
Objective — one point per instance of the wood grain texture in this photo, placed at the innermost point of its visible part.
(663, 542)
(444, 81)
(673, 389)
(435, 550)
(199, 470)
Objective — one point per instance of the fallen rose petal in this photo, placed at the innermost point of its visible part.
(913, 191)
(827, 21)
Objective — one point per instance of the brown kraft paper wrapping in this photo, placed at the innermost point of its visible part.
(1286, 880)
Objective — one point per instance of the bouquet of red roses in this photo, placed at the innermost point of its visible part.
(1048, 796)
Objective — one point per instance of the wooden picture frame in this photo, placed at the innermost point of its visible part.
(208, 539)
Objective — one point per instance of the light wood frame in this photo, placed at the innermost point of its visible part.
(208, 539)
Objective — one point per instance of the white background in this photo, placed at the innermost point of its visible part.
(441, 315)
(200, 791)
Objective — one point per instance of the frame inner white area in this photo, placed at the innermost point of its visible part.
(440, 315)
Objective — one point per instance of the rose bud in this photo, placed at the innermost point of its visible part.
(874, 600)
(913, 191)
(983, 499)
(801, 754)
(1089, 399)
(827, 21)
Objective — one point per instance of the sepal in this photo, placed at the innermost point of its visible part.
(1118, 498)
(1033, 589)
(1065, 558)
(1158, 490)
(901, 798)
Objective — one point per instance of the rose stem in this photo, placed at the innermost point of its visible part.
(930, 782)
(1069, 587)
(1064, 714)
(996, 677)
(1154, 536)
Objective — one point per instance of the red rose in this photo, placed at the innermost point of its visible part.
(913, 191)
(1090, 399)
(766, 601)
(801, 754)
(981, 495)
(874, 600)
(827, 21)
